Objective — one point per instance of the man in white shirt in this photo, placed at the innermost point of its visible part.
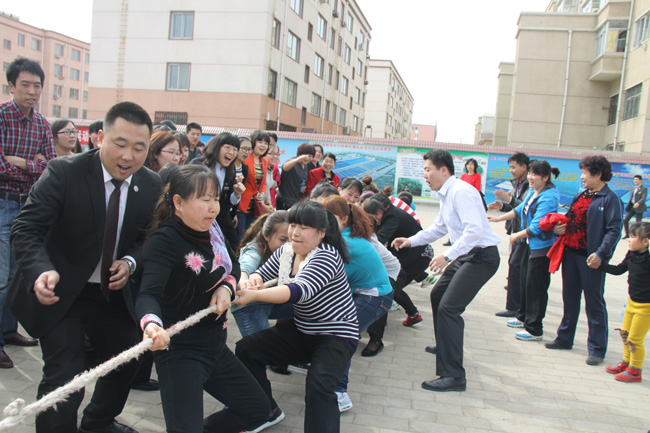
(465, 267)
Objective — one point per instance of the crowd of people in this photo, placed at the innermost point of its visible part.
(172, 226)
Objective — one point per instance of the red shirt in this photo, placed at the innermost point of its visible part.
(576, 229)
(472, 179)
(24, 137)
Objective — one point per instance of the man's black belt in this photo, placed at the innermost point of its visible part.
(20, 198)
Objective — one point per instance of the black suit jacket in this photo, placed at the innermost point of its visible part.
(639, 197)
(61, 227)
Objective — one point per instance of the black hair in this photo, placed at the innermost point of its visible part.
(96, 126)
(542, 168)
(168, 123)
(440, 158)
(273, 135)
(313, 214)
(406, 197)
(129, 111)
(322, 190)
(351, 182)
(306, 149)
(377, 203)
(640, 230)
(193, 125)
(167, 172)
(23, 64)
(322, 151)
(213, 148)
(58, 125)
(520, 158)
(638, 176)
(329, 155)
(185, 142)
(188, 181)
(475, 165)
(260, 136)
(260, 230)
(597, 165)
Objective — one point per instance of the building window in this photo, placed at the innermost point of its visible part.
(58, 71)
(5, 89)
(178, 76)
(76, 55)
(363, 101)
(338, 78)
(357, 94)
(348, 53)
(321, 27)
(349, 22)
(87, 57)
(84, 114)
(611, 38)
(303, 116)
(36, 44)
(58, 50)
(330, 73)
(21, 40)
(344, 86)
(57, 91)
(333, 38)
(5, 65)
(275, 36)
(56, 110)
(310, 32)
(86, 75)
(293, 47)
(307, 73)
(74, 94)
(342, 114)
(340, 46)
(327, 110)
(632, 102)
(6, 44)
(315, 104)
(319, 63)
(291, 90)
(73, 113)
(296, 5)
(273, 83)
(362, 40)
(359, 66)
(641, 30)
(355, 123)
(334, 111)
(74, 74)
(178, 117)
(182, 25)
(85, 96)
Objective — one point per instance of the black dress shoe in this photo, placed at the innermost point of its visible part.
(594, 360)
(5, 361)
(431, 349)
(445, 384)
(21, 340)
(505, 313)
(151, 385)
(115, 427)
(373, 348)
(625, 237)
(554, 345)
(280, 369)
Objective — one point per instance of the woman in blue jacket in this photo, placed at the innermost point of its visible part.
(543, 198)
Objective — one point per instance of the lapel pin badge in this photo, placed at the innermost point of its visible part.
(135, 188)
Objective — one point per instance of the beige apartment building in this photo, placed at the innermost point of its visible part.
(580, 78)
(389, 109)
(484, 131)
(237, 64)
(65, 62)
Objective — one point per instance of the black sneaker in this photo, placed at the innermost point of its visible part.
(276, 417)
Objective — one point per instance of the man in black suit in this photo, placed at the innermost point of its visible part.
(636, 205)
(78, 242)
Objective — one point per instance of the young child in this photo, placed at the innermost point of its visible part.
(636, 321)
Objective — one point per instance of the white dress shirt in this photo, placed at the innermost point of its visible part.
(221, 175)
(463, 216)
(124, 192)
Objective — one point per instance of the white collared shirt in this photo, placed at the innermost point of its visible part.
(221, 175)
(463, 216)
(124, 192)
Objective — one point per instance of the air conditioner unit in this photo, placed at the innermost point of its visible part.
(346, 130)
(56, 97)
(335, 14)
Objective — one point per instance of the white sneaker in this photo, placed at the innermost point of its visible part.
(527, 336)
(394, 306)
(514, 323)
(345, 403)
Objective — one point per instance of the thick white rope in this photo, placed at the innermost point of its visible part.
(16, 412)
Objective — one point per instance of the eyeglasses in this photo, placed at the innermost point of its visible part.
(171, 152)
(68, 132)
(228, 148)
(246, 149)
(274, 153)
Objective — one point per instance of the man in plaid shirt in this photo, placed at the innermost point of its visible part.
(26, 145)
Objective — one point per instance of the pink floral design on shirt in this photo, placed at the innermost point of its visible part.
(195, 262)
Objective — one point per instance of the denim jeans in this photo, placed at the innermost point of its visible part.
(244, 221)
(369, 309)
(8, 324)
(255, 316)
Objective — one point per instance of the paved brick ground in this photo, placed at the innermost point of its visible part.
(513, 386)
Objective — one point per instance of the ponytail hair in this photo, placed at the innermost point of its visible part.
(358, 222)
(542, 168)
(262, 229)
(313, 214)
(387, 191)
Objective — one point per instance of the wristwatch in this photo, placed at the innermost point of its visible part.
(447, 258)
(131, 265)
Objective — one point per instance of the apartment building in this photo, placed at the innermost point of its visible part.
(299, 64)
(580, 79)
(484, 131)
(390, 104)
(65, 61)
(424, 132)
